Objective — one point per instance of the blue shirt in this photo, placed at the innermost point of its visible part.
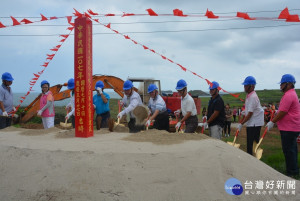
(101, 107)
(6, 97)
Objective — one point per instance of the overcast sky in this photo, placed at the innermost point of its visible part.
(226, 56)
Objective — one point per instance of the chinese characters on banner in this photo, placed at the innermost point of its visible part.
(84, 109)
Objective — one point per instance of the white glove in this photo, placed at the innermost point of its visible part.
(94, 106)
(120, 115)
(39, 113)
(205, 125)
(14, 109)
(16, 116)
(239, 127)
(5, 114)
(243, 113)
(178, 125)
(200, 124)
(99, 90)
(177, 112)
(270, 125)
(148, 123)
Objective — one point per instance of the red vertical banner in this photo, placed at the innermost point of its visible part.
(83, 72)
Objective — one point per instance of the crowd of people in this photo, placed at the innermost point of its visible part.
(218, 116)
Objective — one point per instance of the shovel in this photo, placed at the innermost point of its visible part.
(65, 124)
(257, 152)
(233, 143)
(235, 136)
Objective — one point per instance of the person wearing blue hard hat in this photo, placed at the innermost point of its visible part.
(101, 104)
(158, 110)
(188, 109)
(71, 105)
(254, 114)
(288, 123)
(46, 106)
(215, 112)
(6, 100)
(130, 101)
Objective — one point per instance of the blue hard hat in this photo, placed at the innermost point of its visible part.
(250, 80)
(127, 85)
(99, 84)
(71, 84)
(214, 85)
(181, 84)
(287, 78)
(151, 88)
(45, 82)
(7, 76)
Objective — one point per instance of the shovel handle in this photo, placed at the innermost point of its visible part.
(265, 132)
(261, 139)
(202, 131)
(236, 132)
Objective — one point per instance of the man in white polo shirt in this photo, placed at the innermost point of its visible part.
(188, 109)
(254, 114)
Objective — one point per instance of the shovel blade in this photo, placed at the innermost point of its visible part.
(235, 145)
(258, 153)
(65, 125)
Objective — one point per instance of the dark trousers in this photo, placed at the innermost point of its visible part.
(162, 121)
(253, 133)
(234, 117)
(73, 121)
(133, 128)
(191, 124)
(290, 151)
(104, 120)
(5, 122)
(227, 127)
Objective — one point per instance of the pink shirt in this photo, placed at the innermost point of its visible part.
(289, 103)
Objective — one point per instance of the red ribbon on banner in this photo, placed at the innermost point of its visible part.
(178, 12)
(1, 25)
(91, 12)
(210, 14)
(151, 12)
(15, 22)
(43, 18)
(26, 21)
(244, 15)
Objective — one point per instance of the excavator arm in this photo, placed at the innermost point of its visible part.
(110, 82)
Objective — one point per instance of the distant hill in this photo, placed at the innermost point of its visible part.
(198, 93)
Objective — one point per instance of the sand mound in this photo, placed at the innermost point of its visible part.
(31, 132)
(107, 167)
(163, 137)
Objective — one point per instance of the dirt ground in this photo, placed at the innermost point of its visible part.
(53, 164)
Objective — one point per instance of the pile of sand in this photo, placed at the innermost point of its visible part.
(163, 137)
(151, 165)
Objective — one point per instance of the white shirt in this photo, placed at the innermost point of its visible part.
(131, 103)
(71, 104)
(252, 104)
(188, 105)
(157, 103)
